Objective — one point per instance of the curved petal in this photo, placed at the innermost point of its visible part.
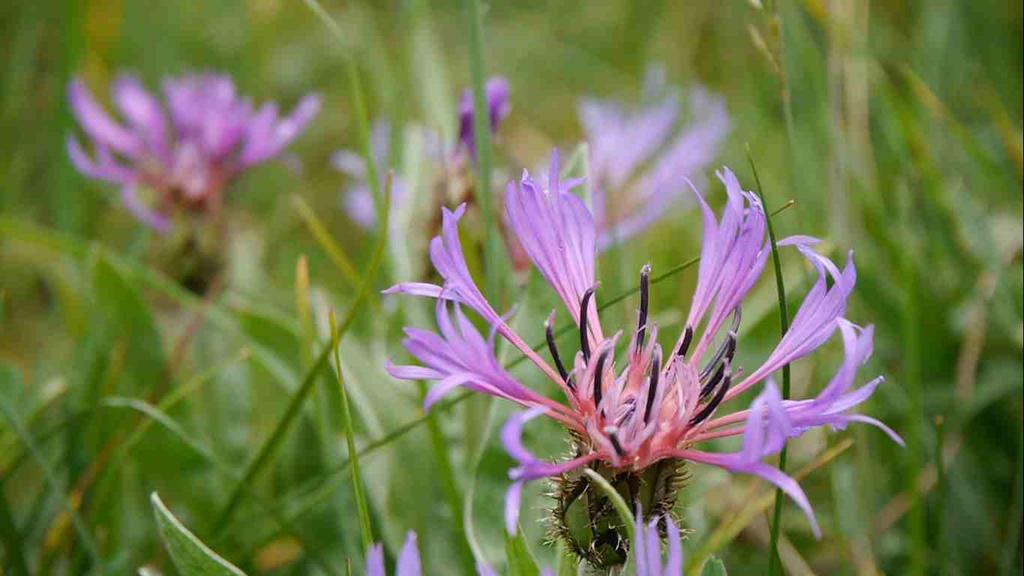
(733, 463)
(557, 232)
(409, 559)
(98, 124)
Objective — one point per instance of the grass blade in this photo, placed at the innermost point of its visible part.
(359, 490)
(482, 141)
(324, 239)
(84, 537)
(780, 287)
(267, 450)
(13, 546)
(189, 554)
(362, 118)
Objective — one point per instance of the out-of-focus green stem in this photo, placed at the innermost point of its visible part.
(780, 287)
(482, 141)
(358, 488)
(359, 106)
(450, 487)
(912, 378)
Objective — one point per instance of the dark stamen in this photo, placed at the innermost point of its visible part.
(549, 332)
(599, 376)
(645, 275)
(584, 338)
(726, 350)
(652, 388)
(615, 443)
(687, 338)
(710, 386)
(719, 396)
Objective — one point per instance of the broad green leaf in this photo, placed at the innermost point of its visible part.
(520, 560)
(190, 556)
(713, 567)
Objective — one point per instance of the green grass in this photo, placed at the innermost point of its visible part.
(890, 128)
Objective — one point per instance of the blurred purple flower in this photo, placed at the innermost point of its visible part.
(661, 404)
(639, 162)
(358, 197)
(498, 107)
(408, 560)
(186, 148)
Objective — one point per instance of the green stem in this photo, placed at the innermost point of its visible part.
(482, 140)
(358, 488)
(450, 487)
(780, 288)
(268, 448)
(53, 484)
(615, 498)
(359, 106)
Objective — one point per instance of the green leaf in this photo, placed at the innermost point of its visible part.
(520, 560)
(190, 556)
(713, 567)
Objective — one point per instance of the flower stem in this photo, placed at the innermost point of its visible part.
(358, 488)
(780, 287)
(482, 141)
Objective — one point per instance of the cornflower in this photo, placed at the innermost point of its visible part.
(639, 422)
(641, 156)
(186, 148)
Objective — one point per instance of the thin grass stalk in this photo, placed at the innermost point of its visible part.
(482, 141)
(359, 107)
(267, 450)
(53, 484)
(780, 287)
(910, 334)
(450, 487)
(358, 488)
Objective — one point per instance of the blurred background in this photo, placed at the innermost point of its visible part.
(894, 126)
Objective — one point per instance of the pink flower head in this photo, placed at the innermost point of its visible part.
(648, 404)
(640, 157)
(186, 147)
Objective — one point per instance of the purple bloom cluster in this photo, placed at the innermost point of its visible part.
(639, 160)
(661, 403)
(185, 148)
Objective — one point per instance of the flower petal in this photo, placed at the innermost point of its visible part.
(557, 232)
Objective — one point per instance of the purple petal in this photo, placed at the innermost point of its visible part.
(375, 561)
(513, 501)
(409, 560)
(498, 108)
(143, 112)
(144, 214)
(732, 463)
(98, 124)
(557, 232)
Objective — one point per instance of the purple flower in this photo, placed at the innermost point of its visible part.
(498, 107)
(358, 197)
(659, 404)
(639, 162)
(647, 547)
(408, 560)
(185, 148)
